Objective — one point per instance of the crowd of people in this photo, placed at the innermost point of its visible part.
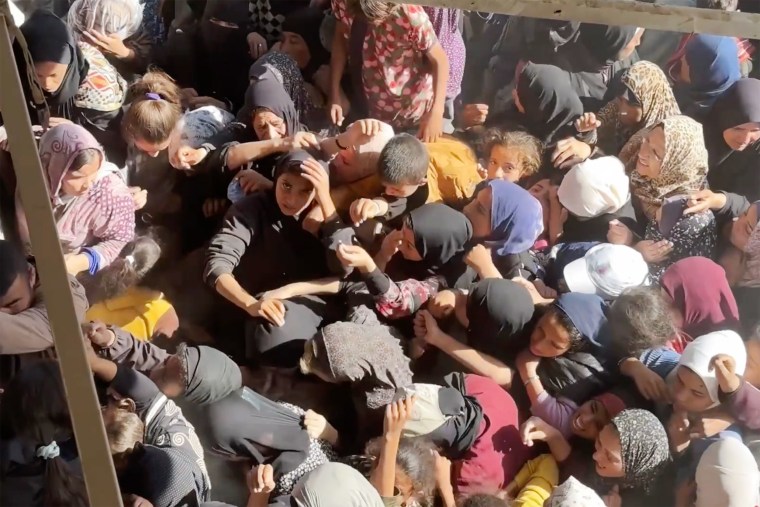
(377, 254)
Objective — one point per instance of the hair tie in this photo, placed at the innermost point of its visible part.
(130, 260)
(152, 96)
(49, 451)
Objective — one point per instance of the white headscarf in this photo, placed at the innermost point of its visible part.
(727, 475)
(698, 355)
(595, 187)
(335, 484)
(110, 17)
(573, 493)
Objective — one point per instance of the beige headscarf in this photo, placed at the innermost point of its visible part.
(683, 169)
(727, 475)
(335, 485)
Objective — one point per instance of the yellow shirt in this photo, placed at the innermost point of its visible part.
(536, 481)
(136, 311)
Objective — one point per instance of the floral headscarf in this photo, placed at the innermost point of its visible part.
(683, 169)
(644, 447)
(693, 235)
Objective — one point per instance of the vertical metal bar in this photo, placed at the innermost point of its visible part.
(99, 474)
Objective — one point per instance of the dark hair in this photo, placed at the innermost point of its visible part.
(35, 403)
(12, 264)
(723, 5)
(372, 10)
(415, 457)
(404, 160)
(576, 337)
(482, 500)
(529, 146)
(639, 319)
(133, 264)
(83, 158)
(154, 108)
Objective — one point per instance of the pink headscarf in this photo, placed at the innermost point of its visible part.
(59, 147)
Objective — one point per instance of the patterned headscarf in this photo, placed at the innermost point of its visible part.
(573, 493)
(370, 357)
(683, 169)
(649, 84)
(103, 89)
(59, 147)
(644, 447)
(693, 235)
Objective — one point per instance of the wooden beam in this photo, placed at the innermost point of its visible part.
(99, 474)
(617, 12)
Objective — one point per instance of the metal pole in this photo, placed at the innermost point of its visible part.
(99, 474)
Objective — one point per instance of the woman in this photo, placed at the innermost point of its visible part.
(40, 464)
(632, 453)
(94, 210)
(732, 131)
(81, 88)
(368, 357)
(267, 229)
(727, 474)
(594, 193)
(335, 484)
(700, 298)
(301, 40)
(709, 67)
(509, 220)
(672, 160)
(645, 101)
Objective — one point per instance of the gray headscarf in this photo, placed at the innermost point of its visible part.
(211, 375)
(644, 447)
(335, 484)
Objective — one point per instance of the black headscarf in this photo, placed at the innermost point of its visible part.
(499, 312)
(459, 432)
(550, 102)
(267, 93)
(441, 236)
(211, 375)
(604, 42)
(50, 40)
(307, 23)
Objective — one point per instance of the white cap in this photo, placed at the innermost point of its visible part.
(595, 187)
(606, 270)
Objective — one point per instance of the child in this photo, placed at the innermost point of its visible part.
(400, 41)
(119, 298)
(510, 155)
(154, 111)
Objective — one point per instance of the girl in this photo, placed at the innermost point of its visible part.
(79, 88)
(645, 101)
(95, 213)
(40, 464)
(119, 296)
(732, 131)
(672, 160)
(512, 155)
(509, 220)
(154, 111)
(267, 229)
(594, 193)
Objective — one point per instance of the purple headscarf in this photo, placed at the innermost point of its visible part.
(517, 219)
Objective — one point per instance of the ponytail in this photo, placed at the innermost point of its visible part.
(154, 110)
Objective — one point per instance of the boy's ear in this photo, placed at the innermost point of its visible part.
(424, 181)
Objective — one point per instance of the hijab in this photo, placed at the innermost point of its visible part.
(587, 312)
(649, 85)
(698, 356)
(307, 23)
(644, 448)
(50, 40)
(59, 147)
(121, 18)
(573, 493)
(551, 104)
(713, 67)
(595, 187)
(605, 42)
(441, 236)
(277, 85)
(705, 301)
(446, 415)
(211, 374)
(499, 312)
(684, 165)
(517, 219)
(334, 484)
(738, 105)
(370, 357)
(727, 475)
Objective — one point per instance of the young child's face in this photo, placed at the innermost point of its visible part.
(401, 190)
(293, 193)
(505, 163)
(447, 303)
(743, 227)
(478, 212)
(408, 247)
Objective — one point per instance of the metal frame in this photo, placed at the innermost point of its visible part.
(94, 452)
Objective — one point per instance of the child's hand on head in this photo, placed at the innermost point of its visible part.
(725, 371)
(396, 415)
(361, 131)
